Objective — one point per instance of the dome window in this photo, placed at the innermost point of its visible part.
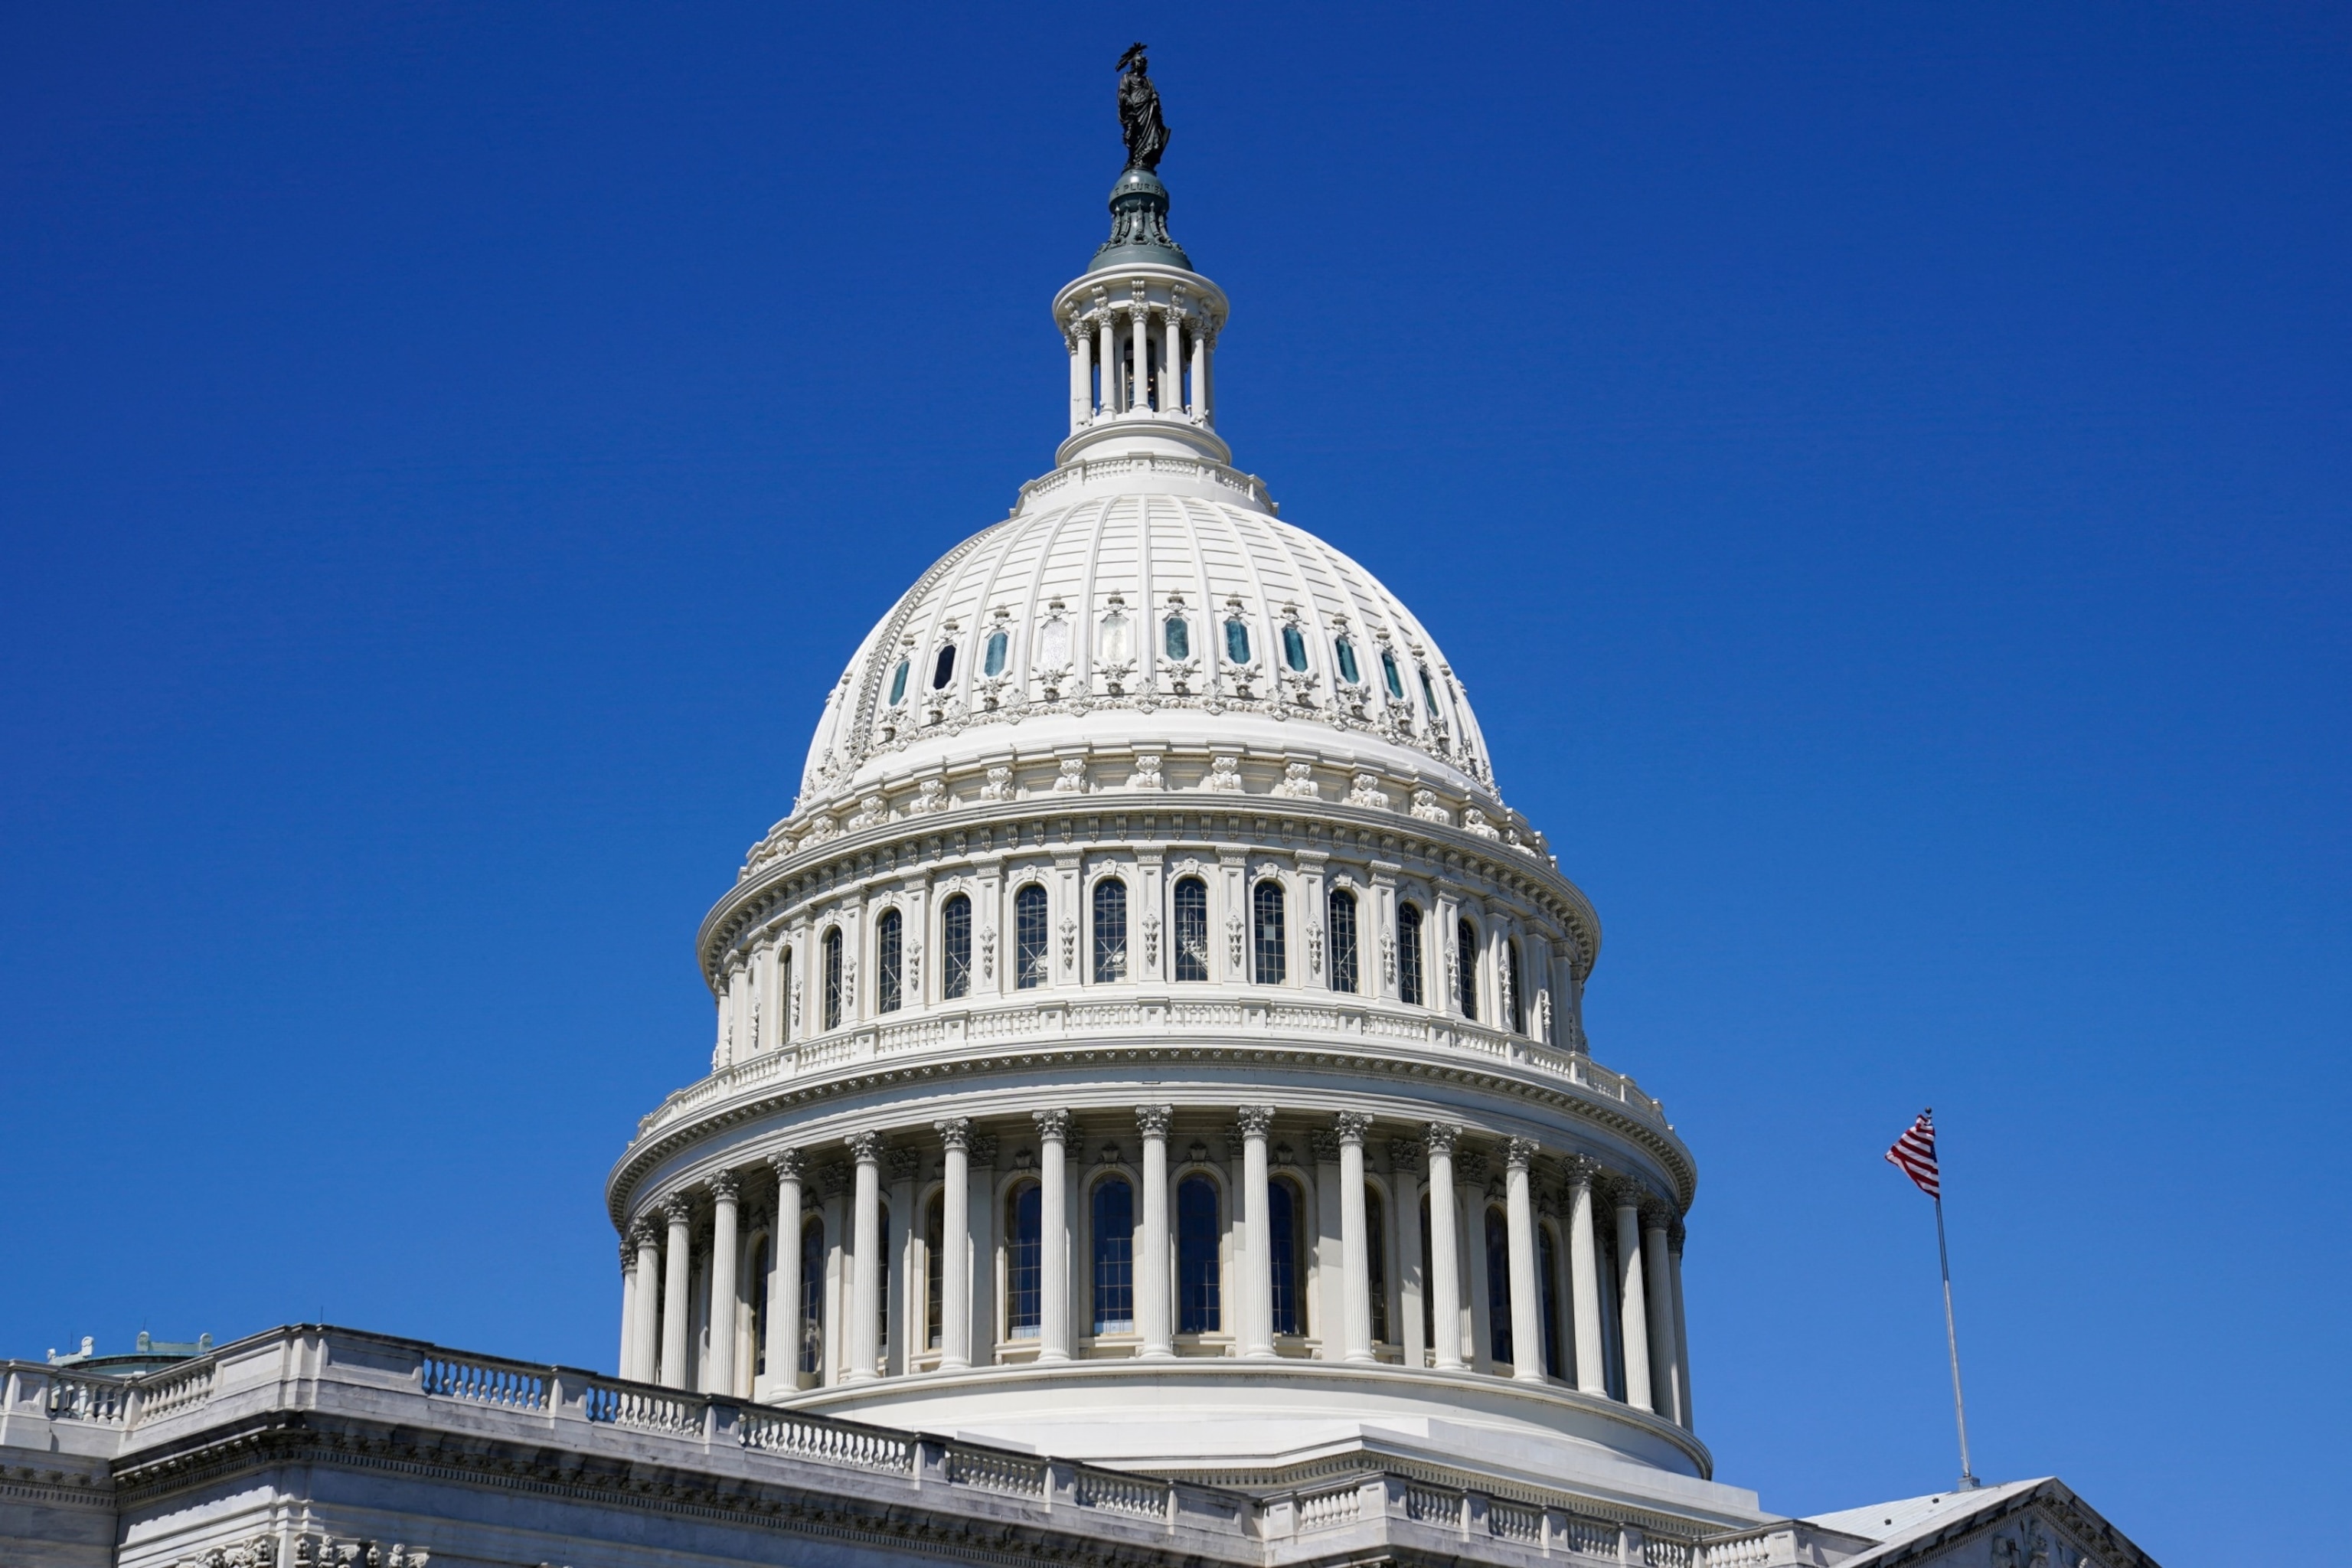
(1267, 946)
(1409, 954)
(1111, 931)
(1117, 647)
(898, 684)
(1054, 645)
(1294, 648)
(1345, 651)
(1029, 934)
(943, 667)
(1191, 945)
(1177, 638)
(1389, 676)
(992, 663)
(1237, 647)
(1428, 692)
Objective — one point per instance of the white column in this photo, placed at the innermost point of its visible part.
(1526, 1290)
(784, 1297)
(1138, 337)
(678, 1307)
(1584, 1276)
(1154, 1295)
(771, 997)
(1053, 1234)
(1666, 1373)
(628, 1303)
(1355, 1250)
(1258, 1279)
(719, 1377)
(1171, 368)
(1632, 1311)
(1081, 376)
(645, 1328)
(1682, 1324)
(1199, 408)
(955, 1241)
(1107, 404)
(1444, 1287)
(1404, 1195)
(863, 1338)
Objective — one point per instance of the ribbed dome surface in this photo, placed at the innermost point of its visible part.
(1123, 603)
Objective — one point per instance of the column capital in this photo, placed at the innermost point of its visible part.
(955, 1132)
(1579, 1169)
(1674, 1232)
(725, 1186)
(1470, 1164)
(1441, 1138)
(1154, 1120)
(1252, 1120)
(906, 1164)
(983, 1150)
(629, 1254)
(677, 1208)
(866, 1148)
(642, 1231)
(786, 1163)
(1404, 1154)
(1054, 1126)
(1520, 1153)
(1626, 1192)
(1325, 1144)
(1351, 1126)
(1656, 1213)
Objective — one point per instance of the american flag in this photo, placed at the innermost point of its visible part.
(1914, 1154)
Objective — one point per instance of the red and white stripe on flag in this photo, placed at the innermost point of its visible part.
(1914, 1154)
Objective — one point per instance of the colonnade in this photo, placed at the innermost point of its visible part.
(1137, 356)
(1605, 1319)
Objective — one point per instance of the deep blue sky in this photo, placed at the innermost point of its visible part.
(1882, 471)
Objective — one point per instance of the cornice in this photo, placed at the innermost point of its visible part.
(648, 1155)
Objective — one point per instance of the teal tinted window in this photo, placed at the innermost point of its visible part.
(1179, 640)
(1294, 648)
(1389, 674)
(1428, 693)
(1237, 648)
(1347, 652)
(992, 662)
(898, 682)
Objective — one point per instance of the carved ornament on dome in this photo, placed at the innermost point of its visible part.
(1365, 789)
(1146, 773)
(1072, 779)
(1426, 808)
(1224, 773)
(1298, 782)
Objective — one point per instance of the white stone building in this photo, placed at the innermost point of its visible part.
(1150, 1122)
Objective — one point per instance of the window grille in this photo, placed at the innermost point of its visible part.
(1267, 944)
(1192, 902)
(1031, 938)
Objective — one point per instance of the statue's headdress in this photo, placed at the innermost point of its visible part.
(1134, 56)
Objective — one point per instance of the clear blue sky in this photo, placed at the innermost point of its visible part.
(1882, 471)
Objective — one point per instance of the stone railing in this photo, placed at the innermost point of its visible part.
(1051, 1015)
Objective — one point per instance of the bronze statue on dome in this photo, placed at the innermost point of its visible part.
(1138, 111)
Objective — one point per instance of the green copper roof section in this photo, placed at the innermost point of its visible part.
(1138, 225)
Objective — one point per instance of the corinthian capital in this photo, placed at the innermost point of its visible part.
(677, 1208)
(866, 1148)
(1154, 1120)
(955, 1132)
(1520, 1153)
(1579, 1170)
(1254, 1121)
(1053, 1126)
(1351, 1126)
(1439, 1139)
(786, 1163)
(725, 1186)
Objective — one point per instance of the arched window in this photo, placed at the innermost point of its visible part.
(1409, 988)
(1029, 936)
(1111, 931)
(955, 947)
(1343, 921)
(1114, 1228)
(1518, 1005)
(1294, 648)
(1287, 1269)
(889, 959)
(1176, 638)
(934, 1270)
(1428, 693)
(784, 1019)
(1237, 647)
(1548, 1264)
(1025, 1295)
(1465, 969)
(812, 1334)
(1346, 653)
(1270, 952)
(1192, 948)
(992, 661)
(761, 1269)
(1200, 1296)
(1498, 1285)
(943, 667)
(832, 978)
(1389, 677)
(899, 683)
(1376, 1260)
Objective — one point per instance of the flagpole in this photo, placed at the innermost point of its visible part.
(1968, 1482)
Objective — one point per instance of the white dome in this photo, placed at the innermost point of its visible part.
(1071, 617)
